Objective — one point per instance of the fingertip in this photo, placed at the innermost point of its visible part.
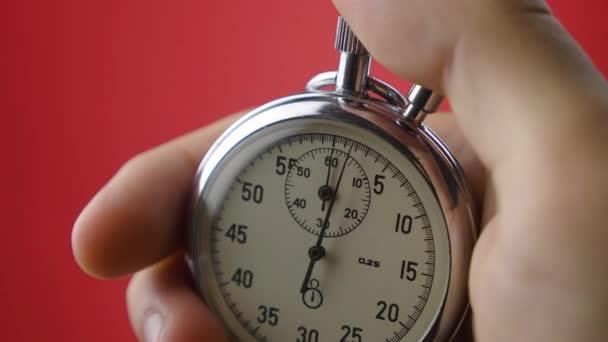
(136, 219)
(92, 242)
(124, 227)
(79, 251)
(85, 243)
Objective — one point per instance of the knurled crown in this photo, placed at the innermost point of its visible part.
(346, 41)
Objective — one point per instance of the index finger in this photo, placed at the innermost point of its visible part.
(132, 222)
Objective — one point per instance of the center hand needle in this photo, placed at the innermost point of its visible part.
(317, 251)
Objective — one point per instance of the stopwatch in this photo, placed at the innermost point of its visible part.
(335, 214)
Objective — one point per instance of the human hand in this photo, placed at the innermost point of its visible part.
(533, 118)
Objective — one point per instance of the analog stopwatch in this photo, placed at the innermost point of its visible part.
(334, 215)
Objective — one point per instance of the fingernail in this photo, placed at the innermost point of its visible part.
(152, 327)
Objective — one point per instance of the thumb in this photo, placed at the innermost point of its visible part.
(516, 80)
(534, 108)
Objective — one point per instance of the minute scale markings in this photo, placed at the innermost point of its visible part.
(399, 334)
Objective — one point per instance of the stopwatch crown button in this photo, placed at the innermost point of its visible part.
(346, 41)
(353, 70)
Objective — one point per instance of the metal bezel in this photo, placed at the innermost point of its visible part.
(415, 140)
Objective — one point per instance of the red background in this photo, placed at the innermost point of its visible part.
(87, 84)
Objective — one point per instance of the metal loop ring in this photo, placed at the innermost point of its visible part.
(321, 80)
(376, 86)
(387, 92)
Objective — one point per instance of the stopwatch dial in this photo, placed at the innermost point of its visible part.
(310, 187)
(271, 280)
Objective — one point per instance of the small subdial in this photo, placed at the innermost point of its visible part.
(310, 187)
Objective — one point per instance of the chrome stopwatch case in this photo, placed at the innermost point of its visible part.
(334, 215)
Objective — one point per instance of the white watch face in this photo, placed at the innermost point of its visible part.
(380, 270)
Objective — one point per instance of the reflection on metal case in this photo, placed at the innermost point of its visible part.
(334, 215)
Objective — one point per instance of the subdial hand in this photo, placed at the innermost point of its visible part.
(325, 192)
(317, 252)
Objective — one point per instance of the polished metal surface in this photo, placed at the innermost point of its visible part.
(420, 102)
(321, 81)
(346, 41)
(353, 70)
(384, 90)
(387, 92)
(353, 73)
(416, 142)
(398, 121)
